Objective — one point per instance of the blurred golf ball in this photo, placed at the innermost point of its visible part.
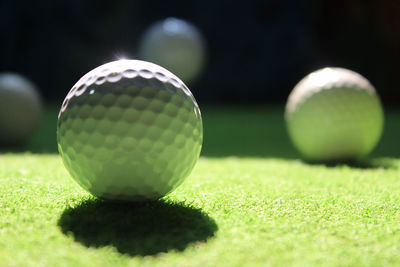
(129, 130)
(176, 45)
(334, 114)
(20, 109)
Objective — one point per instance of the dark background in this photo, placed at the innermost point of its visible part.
(257, 50)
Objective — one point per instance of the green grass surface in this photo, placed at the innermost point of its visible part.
(249, 201)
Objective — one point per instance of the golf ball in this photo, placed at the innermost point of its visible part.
(129, 130)
(20, 109)
(176, 45)
(334, 114)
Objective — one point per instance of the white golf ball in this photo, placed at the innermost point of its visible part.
(176, 45)
(129, 130)
(20, 109)
(334, 114)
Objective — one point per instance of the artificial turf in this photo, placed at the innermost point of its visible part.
(250, 201)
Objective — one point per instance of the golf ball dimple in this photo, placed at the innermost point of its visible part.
(175, 44)
(20, 109)
(334, 114)
(129, 130)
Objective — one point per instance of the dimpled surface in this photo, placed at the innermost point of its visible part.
(334, 114)
(129, 130)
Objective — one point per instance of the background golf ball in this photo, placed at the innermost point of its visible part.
(334, 114)
(129, 130)
(174, 44)
(20, 109)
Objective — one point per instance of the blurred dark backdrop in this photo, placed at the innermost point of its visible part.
(258, 50)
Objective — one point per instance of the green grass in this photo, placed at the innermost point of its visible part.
(249, 201)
